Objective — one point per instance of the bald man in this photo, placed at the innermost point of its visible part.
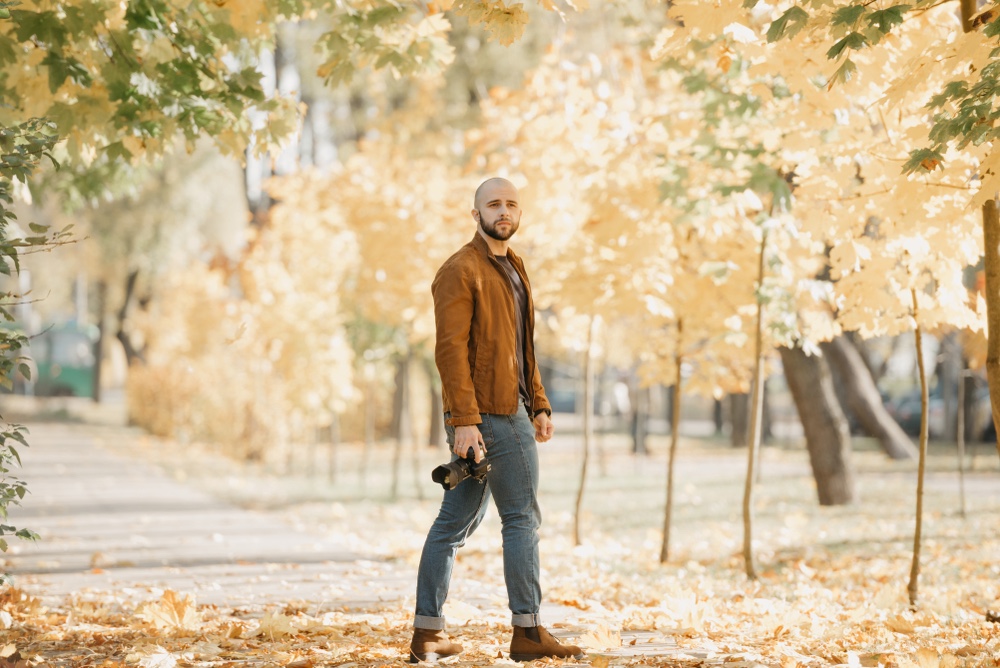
(495, 408)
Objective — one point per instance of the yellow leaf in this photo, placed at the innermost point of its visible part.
(600, 661)
(8, 650)
(601, 638)
(161, 658)
(507, 23)
(275, 625)
(898, 624)
(171, 612)
(989, 179)
(927, 658)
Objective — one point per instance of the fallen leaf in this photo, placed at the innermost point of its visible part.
(601, 638)
(600, 661)
(171, 612)
(160, 658)
(928, 658)
(898, 624)
(275, 625)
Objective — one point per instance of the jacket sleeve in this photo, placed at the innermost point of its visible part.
(452, 290)
(539, 401)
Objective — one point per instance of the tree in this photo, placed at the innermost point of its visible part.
(21, 149)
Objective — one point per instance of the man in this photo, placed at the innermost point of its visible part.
(495, 407)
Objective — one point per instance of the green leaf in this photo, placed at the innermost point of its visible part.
(847, 16)
(45, 27)
(854, 40)
(25, 370)
(788, 24)
(843, 74)
(923, 160)
(37, 228)
(26, 534)
(885, 19)
(118, 150)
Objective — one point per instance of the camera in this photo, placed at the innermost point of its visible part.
(451, 474)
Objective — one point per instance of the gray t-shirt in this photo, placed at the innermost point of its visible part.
(520, 316)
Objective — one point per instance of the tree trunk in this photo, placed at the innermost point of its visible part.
(132, 354)
(102, 330)
(670, 406)
(968, 11)
(369, 426)
(739, 411)
(949, 375)
(675, 429)
(717, 416)
(864, 400)
(640, 420)
(827, 437)
(436, 436)
(334, 435)
(991, 237)
(755, 418)
(913, 587)
(960, 439)
(588, 425)
(401, 418)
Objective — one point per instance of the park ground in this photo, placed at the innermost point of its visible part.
(158, 553)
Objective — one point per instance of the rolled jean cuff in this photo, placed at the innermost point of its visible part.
(425, 622)
(526, 621)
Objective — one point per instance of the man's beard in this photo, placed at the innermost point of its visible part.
(494, 233)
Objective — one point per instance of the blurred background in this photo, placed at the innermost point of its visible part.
(274, 306)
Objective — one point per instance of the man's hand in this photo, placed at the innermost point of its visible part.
(468, 437)
(543, 427)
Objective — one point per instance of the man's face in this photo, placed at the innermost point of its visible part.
(498, 210)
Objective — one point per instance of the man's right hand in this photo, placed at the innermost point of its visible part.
(468, 437)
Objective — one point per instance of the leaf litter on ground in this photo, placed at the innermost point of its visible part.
(831, 590)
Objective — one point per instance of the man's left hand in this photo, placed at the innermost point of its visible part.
(543, 427)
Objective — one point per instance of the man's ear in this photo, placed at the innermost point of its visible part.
(475, 215)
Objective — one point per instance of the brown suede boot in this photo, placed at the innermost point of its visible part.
(431, 645)
(523, 647)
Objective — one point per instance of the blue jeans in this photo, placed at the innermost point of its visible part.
(513, 482)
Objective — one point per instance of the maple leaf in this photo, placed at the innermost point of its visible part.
(171, 612)
(899, 625)
(928, 658)
(601, 638)
(161, 658)
(275, 625)
(507, 24)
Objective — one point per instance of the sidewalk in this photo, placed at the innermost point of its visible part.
(111, 522)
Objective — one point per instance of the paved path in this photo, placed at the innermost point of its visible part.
(109, 521)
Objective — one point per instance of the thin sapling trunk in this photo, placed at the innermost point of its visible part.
(912, 587)
(675, 428)
(588, 426)
(755, 417)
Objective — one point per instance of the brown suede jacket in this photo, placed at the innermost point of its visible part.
(476, 339)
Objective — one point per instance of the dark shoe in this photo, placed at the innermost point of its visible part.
(431, 645)
(524, 647)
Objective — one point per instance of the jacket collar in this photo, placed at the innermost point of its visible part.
(480, 244)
